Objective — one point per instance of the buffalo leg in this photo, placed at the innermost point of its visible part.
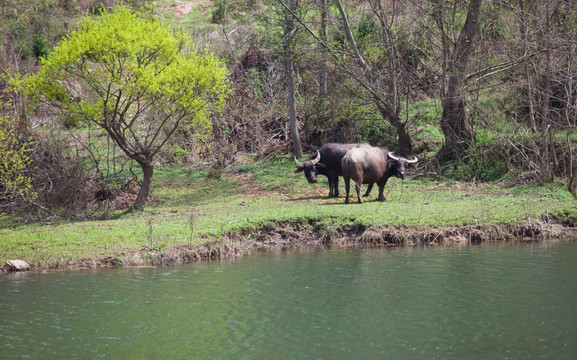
(368, 192)
(358, 188)
(333, 185)
(336, 185)
(347, 188)
(331, 189)
(381, 185)
(382, 196)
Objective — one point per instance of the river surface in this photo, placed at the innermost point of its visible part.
(480, 302)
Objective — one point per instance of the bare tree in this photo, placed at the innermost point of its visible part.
(289, 33)
(455, 60)
(386, 101)
(547, 85)
(325, 39)
(570, 114)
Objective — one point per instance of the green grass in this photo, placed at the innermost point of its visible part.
(185, 199)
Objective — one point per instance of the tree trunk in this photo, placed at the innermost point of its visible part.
(147, 171)
(526, 48)
(572, 182)
(325, 40)
(289, 34)
(297, 147)
(546, 166)
(404, 142)
(570, 121)
(454, 122)
(454, 126)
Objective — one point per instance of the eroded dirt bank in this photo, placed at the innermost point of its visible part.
(316, 233)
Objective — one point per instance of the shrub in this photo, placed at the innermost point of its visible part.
(482, 161)
(15, 163)
(41, 46)
(219, 11)
(61, 178)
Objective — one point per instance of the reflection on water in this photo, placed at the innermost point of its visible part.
(486, 302)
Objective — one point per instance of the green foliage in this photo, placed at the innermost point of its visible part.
(22, 40)
(15, 181)
(179, 152)
(362, 124)
(365, 28)
(485, 137)
(127, 73)
(424, 112)
(33, 26)
(549, 190)
(485, 160)
(378, 132)
(256, 82)
(133, 77)
(128, 64)
(41, 46)
(424, 117)
(219, 11)
(492, 25)
(245, 168)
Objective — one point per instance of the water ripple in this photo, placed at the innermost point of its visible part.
(411, 303)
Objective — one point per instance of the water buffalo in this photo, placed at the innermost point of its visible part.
(372, 165)
(328, 162)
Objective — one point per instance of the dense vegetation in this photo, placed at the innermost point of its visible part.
(480, 91)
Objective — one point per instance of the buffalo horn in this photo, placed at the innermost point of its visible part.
(392, 156)
(413, 160)
(299, 164)
(317, 159)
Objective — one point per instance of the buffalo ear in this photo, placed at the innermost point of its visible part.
(299, 169)
(320, 165)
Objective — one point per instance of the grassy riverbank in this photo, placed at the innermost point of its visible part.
(260, 204)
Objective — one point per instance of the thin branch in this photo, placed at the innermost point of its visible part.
(495, 69)
(351, 38)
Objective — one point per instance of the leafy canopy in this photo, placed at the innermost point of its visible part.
(127, 73)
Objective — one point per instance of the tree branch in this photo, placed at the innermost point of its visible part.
(351, 39)
(497, 68)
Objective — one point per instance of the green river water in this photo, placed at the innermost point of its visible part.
(480, 302)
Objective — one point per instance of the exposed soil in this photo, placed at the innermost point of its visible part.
(316, 233)
(181, 9)
(250, 188)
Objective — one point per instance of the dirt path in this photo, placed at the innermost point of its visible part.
(252, 189)
(181, 9)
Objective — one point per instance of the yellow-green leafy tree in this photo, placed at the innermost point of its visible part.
(136, 79)
(14, 164)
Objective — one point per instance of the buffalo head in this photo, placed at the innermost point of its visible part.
(310, 168)
(399, 164)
